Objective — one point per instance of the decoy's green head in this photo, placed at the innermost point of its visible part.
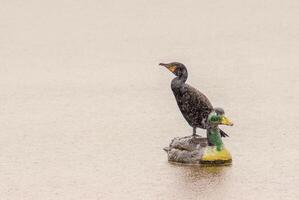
(217, 117)
(176, 68)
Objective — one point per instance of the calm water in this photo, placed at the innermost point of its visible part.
(85, 110)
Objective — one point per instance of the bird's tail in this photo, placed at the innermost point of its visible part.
(223, 134)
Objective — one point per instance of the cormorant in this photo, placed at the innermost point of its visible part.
(193, 104)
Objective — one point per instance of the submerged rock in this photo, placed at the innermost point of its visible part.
(195, 150)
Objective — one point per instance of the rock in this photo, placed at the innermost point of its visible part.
(195, 150)
(187, 149)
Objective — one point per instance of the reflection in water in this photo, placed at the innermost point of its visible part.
(196, 172)
(200, 179)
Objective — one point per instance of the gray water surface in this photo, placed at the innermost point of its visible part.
(85, 110)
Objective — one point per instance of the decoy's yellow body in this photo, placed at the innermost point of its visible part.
(211, 154)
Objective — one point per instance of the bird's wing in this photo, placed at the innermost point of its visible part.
(200, 102)
(200, 97)
(204, 99)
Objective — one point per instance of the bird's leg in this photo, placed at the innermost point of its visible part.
(194, 131)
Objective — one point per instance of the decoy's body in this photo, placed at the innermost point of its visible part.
(193, 104)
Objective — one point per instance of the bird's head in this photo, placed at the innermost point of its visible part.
(176, 68)
(217, 117)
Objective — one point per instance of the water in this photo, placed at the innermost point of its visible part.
(85, 110)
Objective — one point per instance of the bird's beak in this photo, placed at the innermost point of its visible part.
(168, 66)
(226, 121)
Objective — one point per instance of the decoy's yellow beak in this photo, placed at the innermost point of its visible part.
(225, 121)
(168, 66)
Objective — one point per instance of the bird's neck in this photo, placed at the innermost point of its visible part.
(183, 77)
(178, 81)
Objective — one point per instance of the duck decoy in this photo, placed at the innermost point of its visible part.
(216, 118)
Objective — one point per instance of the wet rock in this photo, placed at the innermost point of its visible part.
(188, 149)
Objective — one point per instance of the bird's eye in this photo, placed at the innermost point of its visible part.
(179, 72)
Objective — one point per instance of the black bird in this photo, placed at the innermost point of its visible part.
(194, 105)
